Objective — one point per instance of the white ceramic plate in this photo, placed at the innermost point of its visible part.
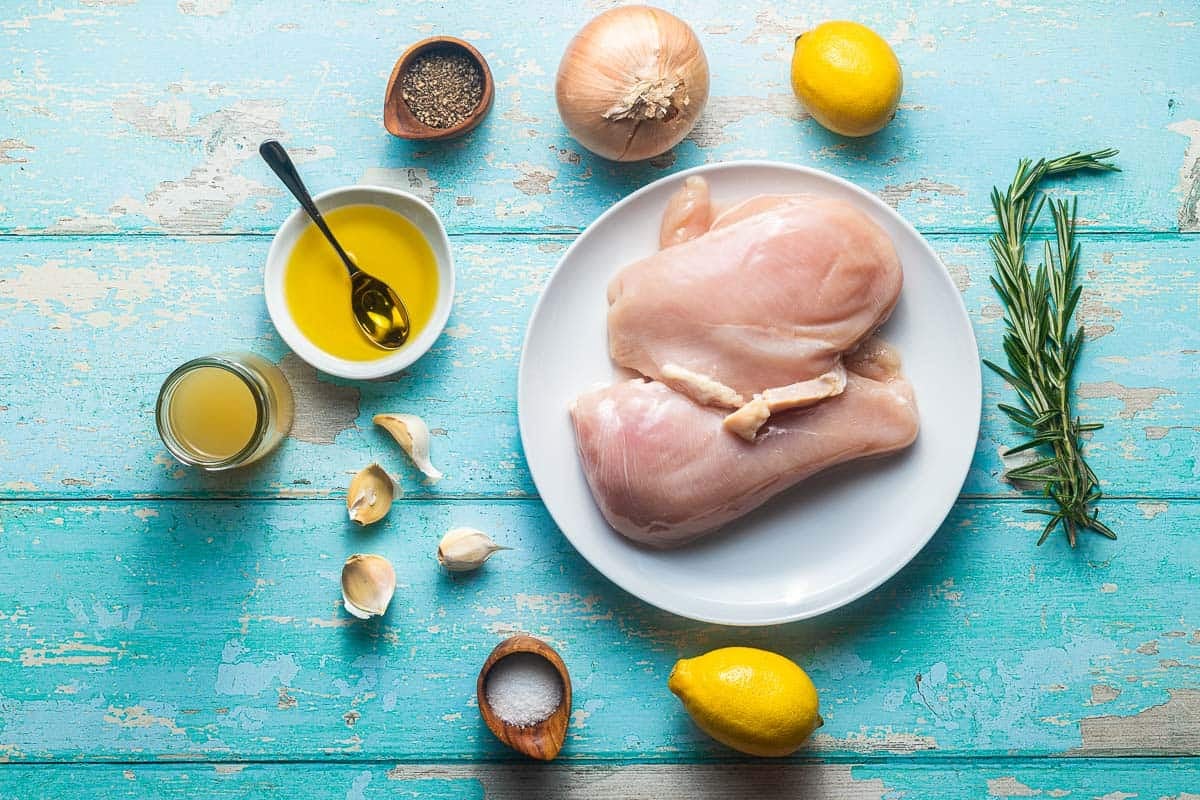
(817, 546)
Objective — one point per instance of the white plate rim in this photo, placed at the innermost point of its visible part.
(918, 543)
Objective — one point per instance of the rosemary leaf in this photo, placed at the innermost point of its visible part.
(1042, 438)
(1042, 343)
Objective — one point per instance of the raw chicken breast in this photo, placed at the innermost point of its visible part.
(688, 214)
(771, 295)
(664, 471)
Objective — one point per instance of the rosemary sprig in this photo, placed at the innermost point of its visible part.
(1041, 344)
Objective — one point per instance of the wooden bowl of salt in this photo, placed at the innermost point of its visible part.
(524, 694)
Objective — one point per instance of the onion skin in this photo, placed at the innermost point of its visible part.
(632, 83)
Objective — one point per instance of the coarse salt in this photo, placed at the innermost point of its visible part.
(523, 689)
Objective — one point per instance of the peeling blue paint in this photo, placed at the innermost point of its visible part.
(178, 624)
(238, 676)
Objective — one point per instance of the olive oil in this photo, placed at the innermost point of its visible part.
(316, 285)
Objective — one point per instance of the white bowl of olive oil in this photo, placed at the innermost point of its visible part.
(391, 235)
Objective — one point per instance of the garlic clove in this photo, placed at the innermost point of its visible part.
(370, 495)
(412, 434)
(465, 549)
(368, 583)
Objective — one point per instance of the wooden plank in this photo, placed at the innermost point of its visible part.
(100, 322)
(201, 630)
(92, 325)
(142, 116)
(1005, 778)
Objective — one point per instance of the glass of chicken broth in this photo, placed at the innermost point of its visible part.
(224, 411)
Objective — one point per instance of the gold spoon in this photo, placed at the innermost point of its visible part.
(378, 310)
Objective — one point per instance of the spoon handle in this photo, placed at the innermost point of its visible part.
(281, 163)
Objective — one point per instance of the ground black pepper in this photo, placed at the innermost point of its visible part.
(442, 87)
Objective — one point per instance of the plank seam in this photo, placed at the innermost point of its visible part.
(925, 759)
(468, 498)
(572, 233)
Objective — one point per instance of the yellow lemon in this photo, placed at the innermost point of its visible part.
(752, 700)
(847, 76)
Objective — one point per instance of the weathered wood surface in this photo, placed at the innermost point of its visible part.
(145, 116)
(196, 629)
(1165, 779)
(148, 614)
(98, 321)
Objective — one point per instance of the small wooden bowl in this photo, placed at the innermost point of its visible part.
(399, 119)
(544, 739)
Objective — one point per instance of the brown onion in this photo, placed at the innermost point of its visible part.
(632, 83)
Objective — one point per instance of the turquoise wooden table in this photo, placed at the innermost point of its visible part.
(168, 634)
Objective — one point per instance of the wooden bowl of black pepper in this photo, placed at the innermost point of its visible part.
(440, 88)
